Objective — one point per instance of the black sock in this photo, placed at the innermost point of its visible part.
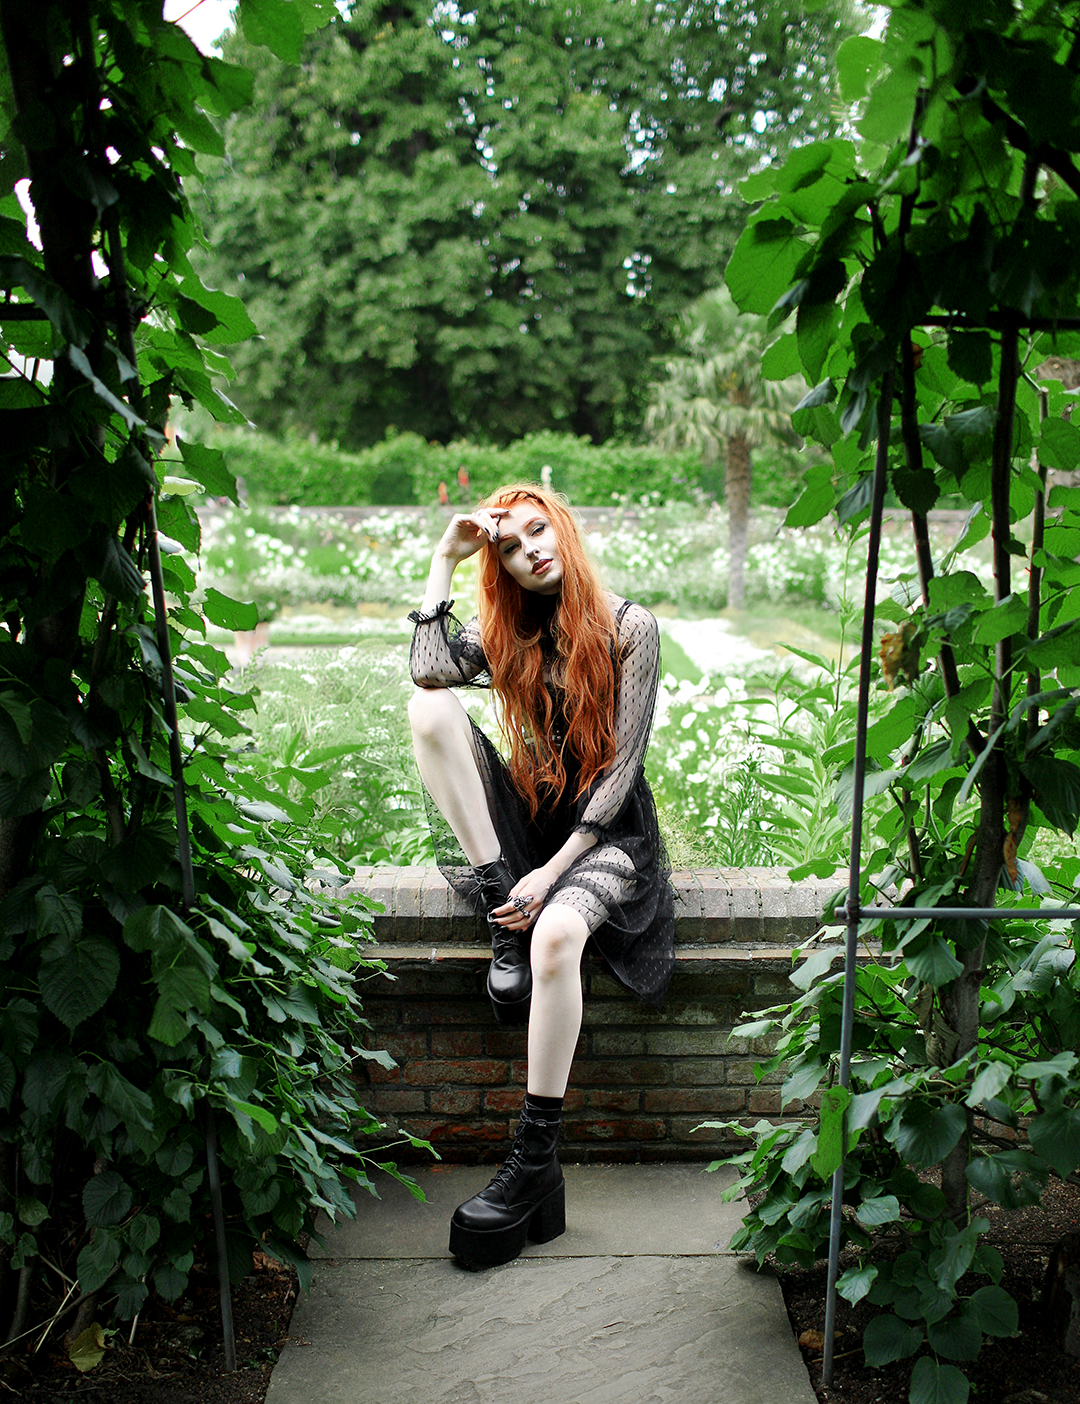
(535, 1103)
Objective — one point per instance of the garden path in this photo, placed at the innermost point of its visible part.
(638, 1301)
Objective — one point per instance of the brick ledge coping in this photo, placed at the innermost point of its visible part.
(741, 906)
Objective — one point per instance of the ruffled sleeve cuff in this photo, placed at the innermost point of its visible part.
(440, 611)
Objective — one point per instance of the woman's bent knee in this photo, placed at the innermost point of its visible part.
(558, 940)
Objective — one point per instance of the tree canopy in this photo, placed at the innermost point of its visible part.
(487, 222)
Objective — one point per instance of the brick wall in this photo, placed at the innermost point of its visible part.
(641, 1082)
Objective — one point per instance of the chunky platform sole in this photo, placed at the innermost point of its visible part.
(510, 1011)
(490, 1248)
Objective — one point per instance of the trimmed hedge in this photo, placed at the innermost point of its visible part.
(407, 469)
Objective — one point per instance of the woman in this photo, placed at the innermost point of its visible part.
(561, 840)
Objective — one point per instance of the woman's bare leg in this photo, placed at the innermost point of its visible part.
(558, 940)
(449, 768)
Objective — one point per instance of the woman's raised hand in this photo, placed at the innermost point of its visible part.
(466, 532)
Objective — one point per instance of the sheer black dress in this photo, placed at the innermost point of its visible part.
(620, 886)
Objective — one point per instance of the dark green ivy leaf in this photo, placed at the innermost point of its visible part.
(77, 985)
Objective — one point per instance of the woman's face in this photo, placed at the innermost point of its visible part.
(527, 547)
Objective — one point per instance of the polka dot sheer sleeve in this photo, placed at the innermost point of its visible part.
(639, 675)
(445, 652)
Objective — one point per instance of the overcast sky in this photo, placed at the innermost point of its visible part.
(204, 20)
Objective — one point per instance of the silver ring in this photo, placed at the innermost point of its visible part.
(521, 903)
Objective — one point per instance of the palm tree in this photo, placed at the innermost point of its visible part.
(715, 400)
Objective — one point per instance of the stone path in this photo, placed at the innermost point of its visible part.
(637, 1303)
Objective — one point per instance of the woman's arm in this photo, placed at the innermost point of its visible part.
(438, 659)
(539, 882)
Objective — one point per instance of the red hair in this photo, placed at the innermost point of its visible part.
(583, 633)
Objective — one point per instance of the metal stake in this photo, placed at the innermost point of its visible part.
(884, 420)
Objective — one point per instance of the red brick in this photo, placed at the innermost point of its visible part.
(616, 1101)
(444, 1012)
(741, 1074)
(504, 1101)
(394, 1100)
(689, 1128)
(617, 1045)
(669, 1101)
(685, 1043)
(615, 1129)
(767, 1102)
(472, 1072)
(698, 1072)
(519, 1071)
(457, 1044)
(375, 1074)
(431, 1129)
(506, 1043)
(403, 1045)
(454, 1101)
(622, 1072)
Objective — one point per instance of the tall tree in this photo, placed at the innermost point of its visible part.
(488, 222)
(716, 400)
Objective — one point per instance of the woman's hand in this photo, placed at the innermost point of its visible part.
(465, 534)
(527, 899)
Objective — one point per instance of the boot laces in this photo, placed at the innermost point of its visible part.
(511, 1166)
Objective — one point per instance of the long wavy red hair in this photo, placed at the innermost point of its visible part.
(582, 630)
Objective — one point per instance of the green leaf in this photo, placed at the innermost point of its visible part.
(1055, 1136)
(887, 1338)
(816, 499)
(97, 1261)
(207, 466)
(77, 985)
(930, 761)
(925, 1136)
(858, 62)
(989, 1081)
(995, 1313)
(71, 321)
(264, 1118)
(275, 23)
(106, 1198)
(956, 1338)
(830, 1146)
(1007, 617)
(155, 929)
(933, 1383)
(1056, 787)
(971, 356)
(762, 266)
(227, 613)
(1059, 444)
(134, 1106)
(930, 960)
(854, 1284)
(872, 1213)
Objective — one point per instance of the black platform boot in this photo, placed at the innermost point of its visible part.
(509, 980)
(525, 1200)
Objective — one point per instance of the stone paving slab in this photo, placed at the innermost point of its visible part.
(637, 1303)
(602, 1330)
(611, 1211)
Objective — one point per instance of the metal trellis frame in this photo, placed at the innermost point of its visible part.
(851, 910)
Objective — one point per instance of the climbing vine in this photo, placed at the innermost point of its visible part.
(177, 980)
(930, 271)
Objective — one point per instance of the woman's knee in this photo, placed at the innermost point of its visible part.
(558, 940)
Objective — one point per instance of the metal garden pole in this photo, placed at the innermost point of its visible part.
(884, 420)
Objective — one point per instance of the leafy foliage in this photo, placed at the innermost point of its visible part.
(150, 1005)
(926, 269)
(484, 222)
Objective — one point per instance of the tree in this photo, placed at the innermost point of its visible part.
(486, 223)
(716, 400)
(175, 999)
(931, 270)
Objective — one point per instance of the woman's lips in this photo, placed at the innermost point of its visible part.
(540, 567)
